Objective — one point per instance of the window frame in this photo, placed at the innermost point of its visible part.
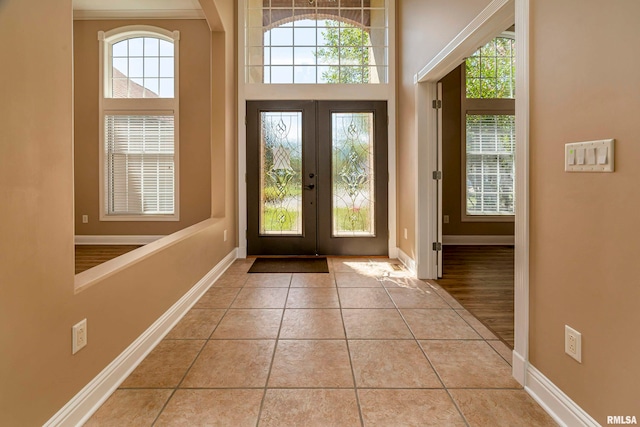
(480, 106)
(137, 106)
(249, 45)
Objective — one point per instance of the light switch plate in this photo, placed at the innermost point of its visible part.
(589, 156)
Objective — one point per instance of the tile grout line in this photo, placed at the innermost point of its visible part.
(440, 290)
(273, 356)
(346, 340)
(206, 340)
(485, 340)
(427, 357)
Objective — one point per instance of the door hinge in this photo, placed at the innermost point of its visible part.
(245, 120)
(437, 246)
(436, 103)
(437, 175)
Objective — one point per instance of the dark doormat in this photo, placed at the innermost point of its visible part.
(290, 265)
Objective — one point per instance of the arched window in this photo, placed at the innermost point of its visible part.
(316, 41)
(139, 122)
(141, 66)
(489, 142)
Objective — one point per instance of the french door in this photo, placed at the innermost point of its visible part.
(317, 178)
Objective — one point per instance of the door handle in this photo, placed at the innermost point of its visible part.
(309, 187)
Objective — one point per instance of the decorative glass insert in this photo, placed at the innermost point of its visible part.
(316, 41)
(353, 175)
(491, 70)
(490, 164)
(141, 67)
(139, 165)
(281, 173)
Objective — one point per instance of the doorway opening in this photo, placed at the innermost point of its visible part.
(476, 130)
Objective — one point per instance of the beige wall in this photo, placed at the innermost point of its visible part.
(38, 304)
(452, 169)
(195, 128)
(585, 239)
(424, 27)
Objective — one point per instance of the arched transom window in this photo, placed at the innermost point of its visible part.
(316, 41)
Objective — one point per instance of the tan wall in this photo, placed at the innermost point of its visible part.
(585, 239)
(452, 168)
(37, 301)
(195, 128)
(424, 27)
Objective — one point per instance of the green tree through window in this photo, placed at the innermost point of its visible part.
(488, 110)
(347, 46)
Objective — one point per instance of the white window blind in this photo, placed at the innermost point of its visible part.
(139, 164)
(490, 162)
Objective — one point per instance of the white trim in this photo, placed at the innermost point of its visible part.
(521, 279)
(426, 218)
(392, 196)
(394, 252)
(480, 218)
(242, 130)
(495, 18)
(407, 261)
(557, 404)
(478, 240)
(95, 15)
(94, 394)
(318, 92)
(242, 252)
(115, 240)
(519, 367)
(439, 156)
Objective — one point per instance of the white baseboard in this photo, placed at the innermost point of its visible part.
(519, 367)
(242, 252)
(93, 395)
(478, 240)
(553, 400)
(393, 252)
(115, 240)
(407, 261)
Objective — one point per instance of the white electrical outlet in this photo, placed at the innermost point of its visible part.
(225, 235)
(445, 219)
(573, 343)
(406, 235)
(79, 336)
(85, 219)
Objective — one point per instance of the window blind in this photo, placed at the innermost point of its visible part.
(139, 164)
(490, 149)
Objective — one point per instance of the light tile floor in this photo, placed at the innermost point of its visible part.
(364, 345)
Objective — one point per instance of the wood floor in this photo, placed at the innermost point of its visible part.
(88, 256)
(481, 279)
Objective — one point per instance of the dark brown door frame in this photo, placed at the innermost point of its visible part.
(316, 174)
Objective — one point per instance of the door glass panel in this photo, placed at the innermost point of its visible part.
(353, 175)
(281, 173)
